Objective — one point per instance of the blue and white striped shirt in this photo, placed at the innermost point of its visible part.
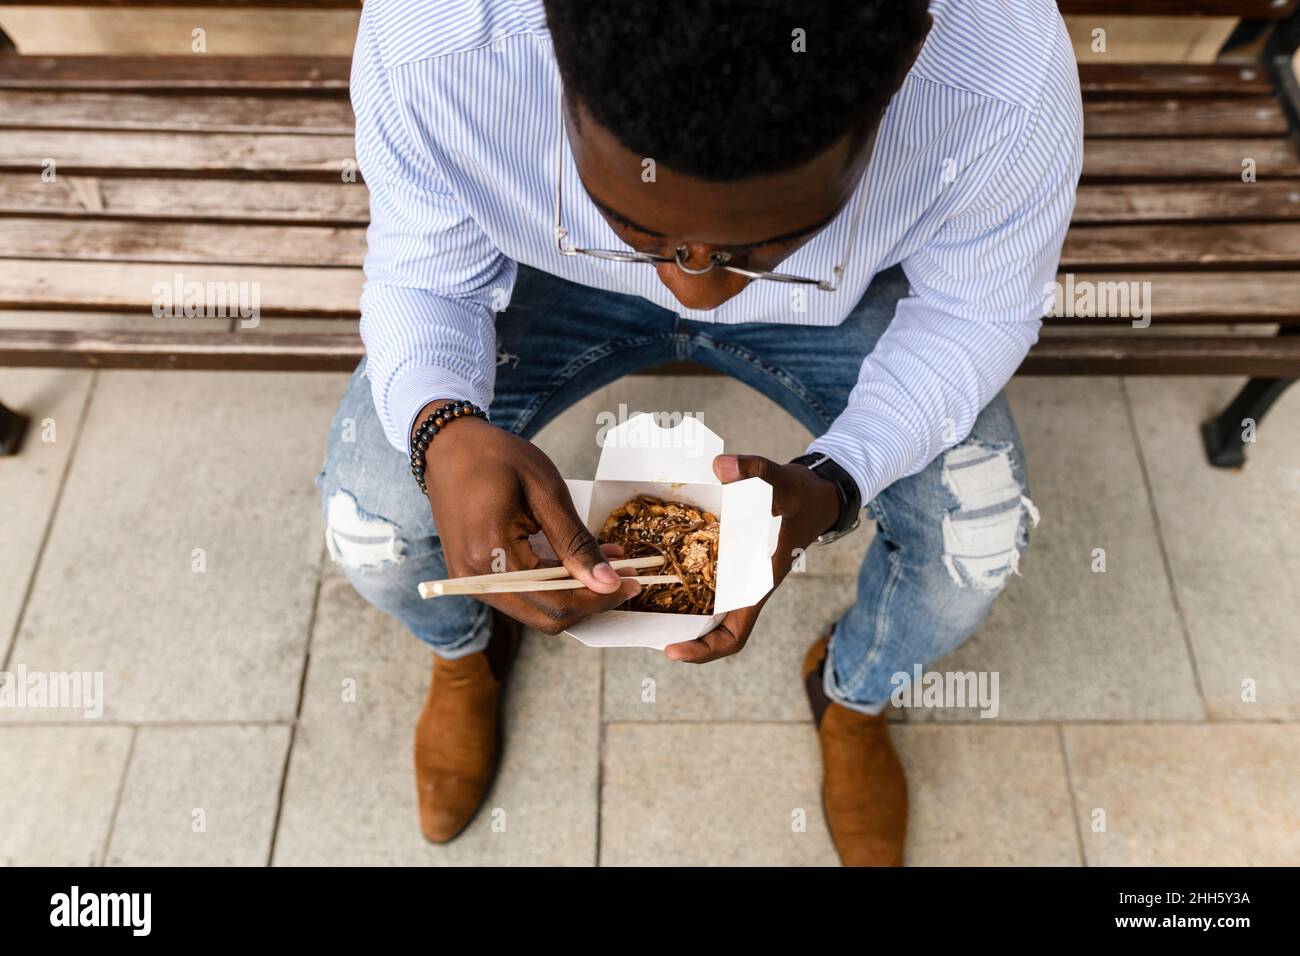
(970, 187)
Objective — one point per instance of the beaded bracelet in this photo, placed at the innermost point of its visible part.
(436, 421)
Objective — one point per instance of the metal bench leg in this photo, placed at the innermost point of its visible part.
(1222, 435)
(13, 427)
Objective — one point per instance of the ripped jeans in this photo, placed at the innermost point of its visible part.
(947, 538)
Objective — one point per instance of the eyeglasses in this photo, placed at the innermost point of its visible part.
(717, 260)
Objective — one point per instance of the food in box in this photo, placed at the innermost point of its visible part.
(638, 458)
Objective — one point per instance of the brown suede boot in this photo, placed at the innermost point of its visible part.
(864, 791)
(458, 736)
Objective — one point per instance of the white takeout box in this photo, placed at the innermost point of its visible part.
(639, 457)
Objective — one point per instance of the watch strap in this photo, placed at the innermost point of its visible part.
(845, 487)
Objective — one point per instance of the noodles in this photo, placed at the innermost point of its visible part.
(685, 535)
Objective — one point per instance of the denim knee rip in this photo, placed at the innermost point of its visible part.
(985, 532)
(359, 540)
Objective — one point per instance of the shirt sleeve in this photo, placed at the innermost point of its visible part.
(974, 308)
(432, 275)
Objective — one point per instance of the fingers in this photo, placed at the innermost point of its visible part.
(723, 641)
(552, 612)
(571, 540)
(731, 468)
(613, 551)
(556, 611)
(616, 551)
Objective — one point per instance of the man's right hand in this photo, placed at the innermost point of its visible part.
(489, 491)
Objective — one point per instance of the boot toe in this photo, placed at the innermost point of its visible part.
(447, 806)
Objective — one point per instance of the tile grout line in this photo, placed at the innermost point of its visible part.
(974, 722)
(96, 722)
(117, 800)
(600, 754)
(688, 722)
(49, 525)
(1069, 788)
(1160, 539)
(297, 714)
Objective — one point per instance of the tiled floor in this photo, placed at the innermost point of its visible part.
(255, 709)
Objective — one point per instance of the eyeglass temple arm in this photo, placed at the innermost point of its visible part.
(838, 272)
(560, 231)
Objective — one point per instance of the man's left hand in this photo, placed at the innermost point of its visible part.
(808, 505)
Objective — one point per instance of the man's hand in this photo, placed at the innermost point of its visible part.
(808, 506)
(490, 490)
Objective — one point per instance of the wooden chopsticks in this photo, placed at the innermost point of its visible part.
(539, 579)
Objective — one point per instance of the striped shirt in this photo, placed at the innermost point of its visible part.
(970, 188)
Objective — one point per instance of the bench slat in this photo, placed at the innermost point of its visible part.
(348, 203)
(304, 351)
(276, 155)
(129, 240)
(1127, 247)
(34, 109)
(1189, 159)
(317, 351)
(1252, 9)
(1218, 297)
(188, 199)
(283, 155)
(1250, 245)
(1137, 202)
(245, 4)
(1247, 9)
(237, 113)
(1210, 297)
(215, 74)
(1147, 80)
(172, 73)
(1166, 355)
(1252, 116)
(129, 287)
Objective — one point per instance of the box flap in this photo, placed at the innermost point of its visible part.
(641, 629)
(640, 450)
(580, 492)
(747, 540)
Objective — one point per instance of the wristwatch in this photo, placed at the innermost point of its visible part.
(847, 489)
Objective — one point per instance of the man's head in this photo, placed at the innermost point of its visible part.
(758, 115)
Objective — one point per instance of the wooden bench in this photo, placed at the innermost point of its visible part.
(239, 170)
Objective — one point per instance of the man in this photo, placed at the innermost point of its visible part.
(853, 207)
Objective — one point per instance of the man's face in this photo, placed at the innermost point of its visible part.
(760, 221)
